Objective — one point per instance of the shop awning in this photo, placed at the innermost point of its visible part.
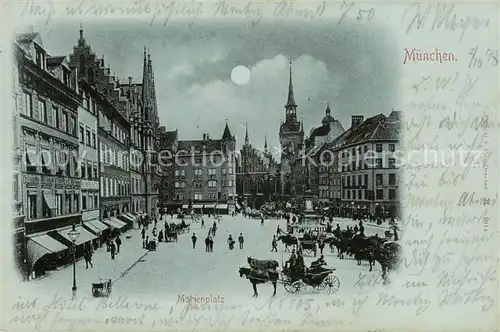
(99, 226)
(83, 237)
(90, 227)
(127, 217)
(198, 206)
(221, 206)
(114, 223)
(209, 206)
(185, 206)
(134, 218)
(42, 244)
(238, 206)
(50, 199)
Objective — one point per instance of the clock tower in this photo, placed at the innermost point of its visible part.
(291, 139)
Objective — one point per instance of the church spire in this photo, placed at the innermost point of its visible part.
(246, 135)
(291, 98)
(227, 133)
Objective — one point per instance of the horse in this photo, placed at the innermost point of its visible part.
(389, 255)
(364, 248)
(288, 240)
(262, 264)
(259, 277)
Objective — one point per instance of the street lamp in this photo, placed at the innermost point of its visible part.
(73, 235)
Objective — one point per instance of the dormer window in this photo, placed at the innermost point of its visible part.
(40, 57)
(66, 77)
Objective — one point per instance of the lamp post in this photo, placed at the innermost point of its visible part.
(73, 235)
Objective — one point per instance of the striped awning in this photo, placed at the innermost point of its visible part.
(83, 237)
(114, 223)
(97, 225)
(39, 245)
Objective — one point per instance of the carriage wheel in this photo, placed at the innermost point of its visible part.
(296, 287)
(286, 279)
(330, 284)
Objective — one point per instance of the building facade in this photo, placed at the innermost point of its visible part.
(255, 175)
(89, 158)
(291, 141)
(204, 172)
(168, 144)
(370, 176)
(48, 140)
(19, 240)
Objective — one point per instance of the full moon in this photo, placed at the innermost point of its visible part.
(240, 75)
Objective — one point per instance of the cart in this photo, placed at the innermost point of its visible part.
(152, 246)
(324, 281)
(102, 288)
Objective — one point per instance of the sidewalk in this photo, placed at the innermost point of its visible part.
(131, 251)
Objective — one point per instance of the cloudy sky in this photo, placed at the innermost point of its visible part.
(352, 66)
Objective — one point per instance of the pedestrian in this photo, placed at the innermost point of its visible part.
(202, 223)
(262, 221)
(88, 259)
(207, 244)
(241, 240)
(209, 231)
(118, 244)
(160, 236)
(146, 244)
(194, 238)
(321, 245)
(112, 250)
(211, 244)
(278, 230)
(274, 244)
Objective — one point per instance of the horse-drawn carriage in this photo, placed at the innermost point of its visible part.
(322, 279)
(171, 235)
(102, 288)
(263, 271)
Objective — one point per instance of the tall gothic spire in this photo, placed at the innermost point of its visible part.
(291, 98)
(145, 87)
(246, 135)
(265, 142)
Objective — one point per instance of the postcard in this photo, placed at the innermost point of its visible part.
(250, 166)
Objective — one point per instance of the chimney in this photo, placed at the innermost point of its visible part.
(130, 80)
(204, 138)
(356, 120)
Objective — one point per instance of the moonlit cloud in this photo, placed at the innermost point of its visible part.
(351, 67)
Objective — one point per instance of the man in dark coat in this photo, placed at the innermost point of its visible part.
(112, 249)
(88, 259)
(118, 244)
(274, 244)
(207, 244)
(241, 240)
(193, 239)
